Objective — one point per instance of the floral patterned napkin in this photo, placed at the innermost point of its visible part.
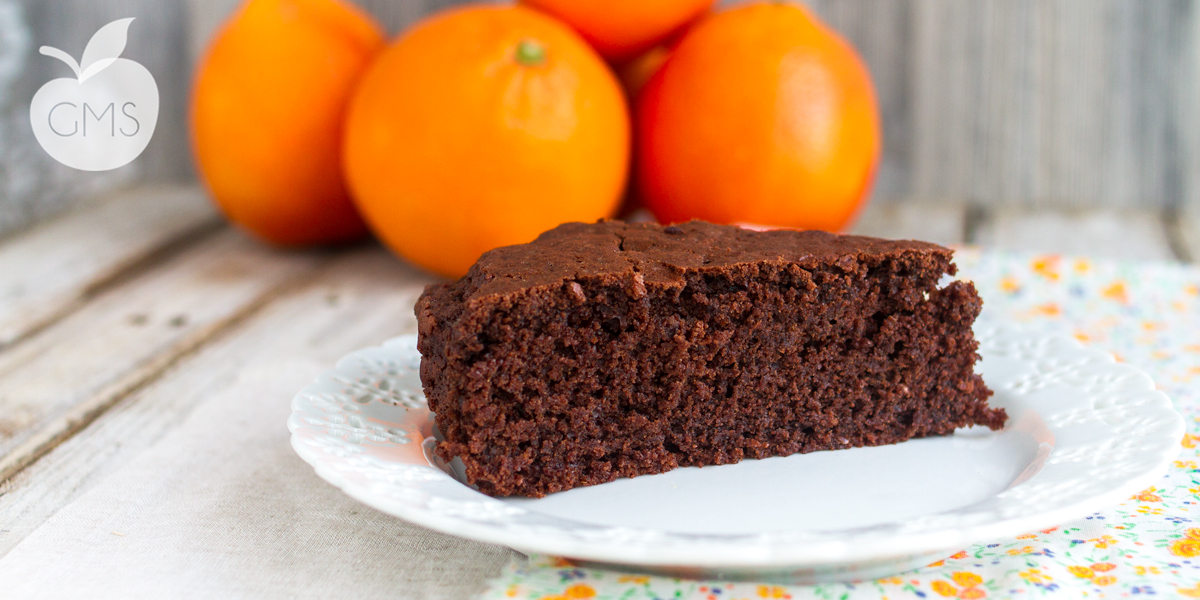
(1146, 314)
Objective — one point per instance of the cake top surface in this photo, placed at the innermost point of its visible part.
(660, 253)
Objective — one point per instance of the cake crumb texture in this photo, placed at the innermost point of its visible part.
(613, 350)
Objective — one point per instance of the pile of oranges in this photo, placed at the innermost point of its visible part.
(484, 125)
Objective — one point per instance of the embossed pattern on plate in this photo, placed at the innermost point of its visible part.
(1097, 433)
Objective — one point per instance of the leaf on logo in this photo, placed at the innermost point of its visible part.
(95, 67)
(104, 48)
(53, 52)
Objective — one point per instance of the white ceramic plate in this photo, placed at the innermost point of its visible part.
(1083, 433)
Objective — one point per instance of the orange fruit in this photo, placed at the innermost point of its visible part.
(484, 126)
(622, 29)
(267, 109)
(636, 73)
(634, 76)
(761, 114)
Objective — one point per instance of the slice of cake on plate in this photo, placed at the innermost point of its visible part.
(613, 350)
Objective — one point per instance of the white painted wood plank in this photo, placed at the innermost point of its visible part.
(221, 414)
(1054, 103)
(1117, 234)
(358, 300)
(1185, 229)
(48, 271)
(937, 223)
(59, 380)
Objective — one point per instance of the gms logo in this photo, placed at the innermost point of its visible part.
(103, 117)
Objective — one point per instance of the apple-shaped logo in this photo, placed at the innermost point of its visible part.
(103, 117)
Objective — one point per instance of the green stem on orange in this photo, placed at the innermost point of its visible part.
(531, 53)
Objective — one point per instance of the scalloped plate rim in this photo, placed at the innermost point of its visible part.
(739, 551)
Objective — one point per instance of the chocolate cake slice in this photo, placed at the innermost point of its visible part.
(613, 350)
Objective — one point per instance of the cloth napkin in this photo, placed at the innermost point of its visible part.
(1147, 315)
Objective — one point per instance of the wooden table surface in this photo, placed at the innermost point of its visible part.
(125, 316)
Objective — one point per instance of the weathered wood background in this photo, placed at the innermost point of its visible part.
(993, 103)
